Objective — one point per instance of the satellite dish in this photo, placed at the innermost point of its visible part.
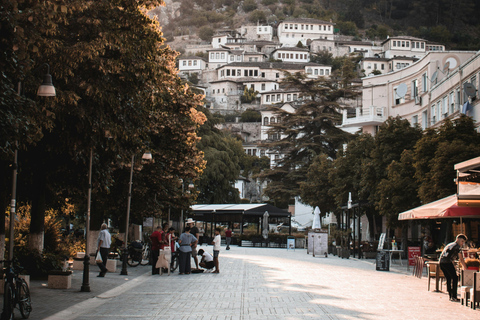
(435, 76)
(453, 63)
(402, 90)
(469, 89)
(446, 67)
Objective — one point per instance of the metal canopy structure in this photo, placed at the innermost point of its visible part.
(239, 213)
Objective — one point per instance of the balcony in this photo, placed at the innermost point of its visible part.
(364, 116)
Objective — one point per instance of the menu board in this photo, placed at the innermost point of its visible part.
(412, 253)
(383, 260)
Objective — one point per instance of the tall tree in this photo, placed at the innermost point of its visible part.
(309, 131)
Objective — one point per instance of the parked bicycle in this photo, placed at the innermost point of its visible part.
(138, 253)
(16, 293)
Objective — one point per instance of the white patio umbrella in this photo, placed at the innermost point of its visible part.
(316, 219)
(265, 225)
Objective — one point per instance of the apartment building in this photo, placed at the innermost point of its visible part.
(191, 64)
(291, 31)
(291, 54)
(424, 92)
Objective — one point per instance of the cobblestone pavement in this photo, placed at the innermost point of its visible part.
(254, 283)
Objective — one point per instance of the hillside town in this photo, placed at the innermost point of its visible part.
(404, 76)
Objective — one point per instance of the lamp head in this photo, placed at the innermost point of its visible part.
(46, 89)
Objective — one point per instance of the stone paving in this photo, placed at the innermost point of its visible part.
(254, 283)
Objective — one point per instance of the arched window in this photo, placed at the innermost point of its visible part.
(309, 70)
(272, 120)
(265, 121)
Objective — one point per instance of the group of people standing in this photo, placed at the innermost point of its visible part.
(188, 242)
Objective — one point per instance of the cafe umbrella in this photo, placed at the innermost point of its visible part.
(316, 218)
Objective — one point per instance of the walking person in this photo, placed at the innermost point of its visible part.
(186, 241)
(104, 242)
(447, 258)
(228, 237)
(216, 249)
(156, 240)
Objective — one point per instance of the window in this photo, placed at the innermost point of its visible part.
(239, 73)
(217, 55)
(267, 98)
(311, 27)
(263, 86)
(301, 27)
(382, 66)
(432, 113)
(452, 102)
(289, 97)
(394, 43)
(403, 44)
(232, 57)
(445, 106)
(424, 82)
(222, 73)
(272, 120)
(278, 97)
(262, 153)
(294, 96)
(315, 72)
(184, 62)
(255, 73)
(228, 72)
(309, 70)
(423, 45)
(212, 55)
(223, 90)
(249, 152)
(250, 59)
(265, 121)
(296, 56)
(254, 152)
(324, 28)
(374, 66)
(408, 44)
(239, 58)
(414, 120)
(252, 86)
(286, 26)
(194, 62)
(245, 73)
(263, 74)
(291, 26)
(273, 98)
(213, 91)
(296, 26)
(414, 89)
(277, 75)
(369, 66)
(321, 72)
(327, 72)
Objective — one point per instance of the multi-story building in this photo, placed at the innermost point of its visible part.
(254, 33)
(291, 31)
(291, 54)
(425, 92)
(191, 64)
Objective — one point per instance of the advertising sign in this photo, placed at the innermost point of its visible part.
(412, 253)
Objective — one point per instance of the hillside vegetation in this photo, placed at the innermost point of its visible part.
(453, 23)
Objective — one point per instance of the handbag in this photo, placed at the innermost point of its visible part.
(98, 258)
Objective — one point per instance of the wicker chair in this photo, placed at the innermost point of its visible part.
(475, 291)
(466, 283)
(431, 274)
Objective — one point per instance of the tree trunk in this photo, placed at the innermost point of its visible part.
(4, 170)
(37, 224)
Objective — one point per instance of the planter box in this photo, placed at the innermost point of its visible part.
(60, 280)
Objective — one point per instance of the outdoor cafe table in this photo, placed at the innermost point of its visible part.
(436, 265)
(391, 252)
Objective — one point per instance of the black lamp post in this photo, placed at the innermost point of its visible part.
(86, 259)
(46, 89)
(147, 156)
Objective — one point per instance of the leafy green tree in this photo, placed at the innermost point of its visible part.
(251, 115)
(316, 190)
(309, 131)
(249, 95)
(249, 5)
(323, 57)
(116, 94)
(437, 152)
(205, 33)
(222, 154)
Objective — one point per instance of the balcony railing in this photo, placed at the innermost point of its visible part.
(364, 116)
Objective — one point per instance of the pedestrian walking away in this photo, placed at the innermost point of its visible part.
(216, 249)
(228, 237)
(186, 241)
(104, 242)
(449, 254)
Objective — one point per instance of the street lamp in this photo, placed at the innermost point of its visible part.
(48, 90)
(148, 157)
(86, 259)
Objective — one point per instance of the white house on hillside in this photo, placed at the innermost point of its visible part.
(291, 31)
(292, 54)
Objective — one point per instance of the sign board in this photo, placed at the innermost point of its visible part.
(381, 241)
(383, 260)
(318, 242)
(148, 222)
(291, 244)
(412, 253)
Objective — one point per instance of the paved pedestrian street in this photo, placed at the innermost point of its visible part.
(260, 283)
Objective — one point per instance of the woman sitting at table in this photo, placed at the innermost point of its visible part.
(449, 254)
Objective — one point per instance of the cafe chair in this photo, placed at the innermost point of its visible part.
(431, 274)
(466, 283)
(475, 291)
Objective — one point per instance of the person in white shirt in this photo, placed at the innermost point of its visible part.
(103, 245)
(216, 249)
(207, 259)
